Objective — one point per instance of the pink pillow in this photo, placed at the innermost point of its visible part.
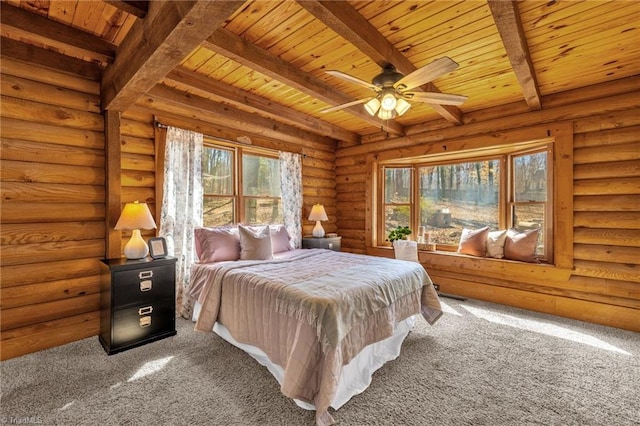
(521, 245)
(217, 244)
(255, 245)
(473, 242)
(280, 239)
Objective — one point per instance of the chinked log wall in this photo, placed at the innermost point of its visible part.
(604, 285)
(53, 210)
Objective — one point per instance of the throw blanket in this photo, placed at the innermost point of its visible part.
(347, 300)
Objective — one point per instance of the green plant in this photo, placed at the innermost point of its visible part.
(399, 233)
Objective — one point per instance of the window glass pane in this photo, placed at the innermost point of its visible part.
(262, 211)
(397, 185)
(217, 211)
(217, 171)
(396, 216)
(457, 196)
(261, 176)
(530, 177)
(530, 216)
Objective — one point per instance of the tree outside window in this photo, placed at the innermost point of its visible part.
(240, 186)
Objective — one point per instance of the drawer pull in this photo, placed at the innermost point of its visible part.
(146, 285)
(146, 310)
(145, 274)
(145, 322)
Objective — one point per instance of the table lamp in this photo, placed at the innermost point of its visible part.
(318, 214)
(135, 216)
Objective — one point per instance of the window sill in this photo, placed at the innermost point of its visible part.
(485, 266)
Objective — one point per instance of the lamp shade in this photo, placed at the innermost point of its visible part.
(318, 213)
(135, 216)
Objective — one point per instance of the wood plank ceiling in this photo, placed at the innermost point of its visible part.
(255, 65)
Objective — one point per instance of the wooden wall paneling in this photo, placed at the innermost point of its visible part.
(31, 294)
(43, 113)
(51, 134)
(65, 269)
(17, 68)
(23, 171)
(53, 207)
(18, 150)
(605, 206)
(32, 233)
(36, 337)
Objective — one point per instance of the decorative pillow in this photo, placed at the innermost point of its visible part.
(521, 245)
(473, 242)
(279, 239)
(255, 245)
(406, 250)
(217, 244)
(495, 243)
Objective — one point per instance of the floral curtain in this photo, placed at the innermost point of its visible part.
(291, 192)
(182, 206)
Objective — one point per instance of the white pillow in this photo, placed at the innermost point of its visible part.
(255, 245)
(495, 243)
(406, 250)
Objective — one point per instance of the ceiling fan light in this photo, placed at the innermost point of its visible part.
(372, 106)
(402, 106)
(384, 114)
(388, 101)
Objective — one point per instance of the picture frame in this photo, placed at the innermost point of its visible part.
(157, 247)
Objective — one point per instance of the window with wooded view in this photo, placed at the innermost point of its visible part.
(510, 190)
(240, 186)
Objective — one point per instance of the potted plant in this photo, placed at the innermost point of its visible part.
(400, 233)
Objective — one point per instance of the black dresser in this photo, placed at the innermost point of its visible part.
(137, 302)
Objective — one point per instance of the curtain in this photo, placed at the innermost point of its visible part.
(291, 192)
(182, 206)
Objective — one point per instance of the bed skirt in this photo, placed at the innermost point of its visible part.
(355, 377)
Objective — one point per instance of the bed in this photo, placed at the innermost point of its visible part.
(321, 321)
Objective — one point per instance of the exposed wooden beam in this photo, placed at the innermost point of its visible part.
(242, 51)
(249, 102)
(345, 20)
(507, 19)
(86, 43)
(166, 99)
(50, 59)
(136, 8)
(157, 43)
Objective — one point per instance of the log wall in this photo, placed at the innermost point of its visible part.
(52, 211)
(54, 196)
(604, 284)
(53, 199)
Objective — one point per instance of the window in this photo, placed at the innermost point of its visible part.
(240, 185)
(508, 189)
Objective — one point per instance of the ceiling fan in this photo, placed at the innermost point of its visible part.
(394, 89)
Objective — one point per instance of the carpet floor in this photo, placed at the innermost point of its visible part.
(480, 364)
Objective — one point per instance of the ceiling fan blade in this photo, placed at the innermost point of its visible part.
(348, 104)
(435, 98)
(426, 74)
(353, 79)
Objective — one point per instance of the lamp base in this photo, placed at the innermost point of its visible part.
(318, 230)
(136, 248)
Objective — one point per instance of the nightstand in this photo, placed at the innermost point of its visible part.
(137, 302)
(331, 243)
